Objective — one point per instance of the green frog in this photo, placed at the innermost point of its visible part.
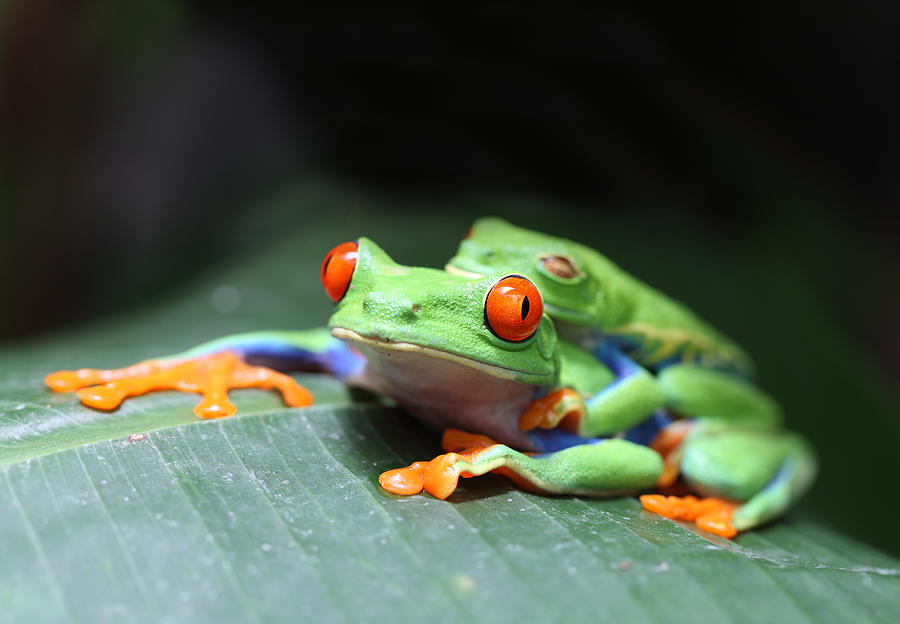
(588, 412)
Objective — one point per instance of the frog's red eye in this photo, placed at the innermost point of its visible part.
(513, 308)
(337, 269)
(468, 234)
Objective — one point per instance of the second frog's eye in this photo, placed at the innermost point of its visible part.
(337, 269)
(558, 266)
(513, 308)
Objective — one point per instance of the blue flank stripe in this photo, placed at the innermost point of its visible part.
(339, 359)
(620, 364)
(552, 440)
(343, 361)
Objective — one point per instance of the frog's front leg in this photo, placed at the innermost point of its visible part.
(214, 368)
(599, 468)
(629, 399)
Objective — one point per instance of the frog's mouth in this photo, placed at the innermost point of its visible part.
(455, 270)
(384, 346)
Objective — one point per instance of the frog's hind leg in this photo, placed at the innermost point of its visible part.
(768, 470)
(794, 476)
(713, 394)
(603, 467)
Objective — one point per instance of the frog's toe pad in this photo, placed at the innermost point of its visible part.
(65, 381)
(214, 406)
(101, 397)
(710, 514)
(404, 481)
(718, 523)
(438, 477)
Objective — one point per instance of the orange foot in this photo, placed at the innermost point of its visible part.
(547, 412)
(710, 514)
(439, 476)
(210, 375)
(668, 443)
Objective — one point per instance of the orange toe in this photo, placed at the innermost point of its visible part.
(404, 481)
(718, 523)
(214, 407)
(710, 514)
(675, 507)
(438, 477)
(456, 441)
(63, 381)
(101, 397)
(442, 475)
(296, 395)
(657, 504)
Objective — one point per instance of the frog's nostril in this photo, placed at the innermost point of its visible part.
(415, 308)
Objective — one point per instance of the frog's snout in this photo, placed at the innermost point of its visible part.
(391, 306)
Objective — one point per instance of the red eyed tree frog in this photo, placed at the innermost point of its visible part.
(726, 440)
(478, 358)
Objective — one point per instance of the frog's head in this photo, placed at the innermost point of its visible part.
(493, 324)
(557, 266)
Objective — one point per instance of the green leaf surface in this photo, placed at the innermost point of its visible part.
(147, 514)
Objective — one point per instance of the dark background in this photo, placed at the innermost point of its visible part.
(137, 137)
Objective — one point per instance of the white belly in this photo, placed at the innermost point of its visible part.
(448, 395)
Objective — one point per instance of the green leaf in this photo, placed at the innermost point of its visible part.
(148, 514)
(275, 515)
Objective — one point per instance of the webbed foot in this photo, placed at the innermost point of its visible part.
(211, 375)
(548, 411)
(438, 477)
(710, 514)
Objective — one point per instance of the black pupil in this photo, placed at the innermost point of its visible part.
(526, 306)
(327, 262)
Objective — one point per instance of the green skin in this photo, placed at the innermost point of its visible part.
(737, 449)
(599, 298)
(423, 335)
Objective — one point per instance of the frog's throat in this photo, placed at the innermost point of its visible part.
(500, 372)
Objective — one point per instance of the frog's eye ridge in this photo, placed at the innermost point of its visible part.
(513, 308)
(337, 269)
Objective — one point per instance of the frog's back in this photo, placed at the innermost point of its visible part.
(586, 293)
(654, 328)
